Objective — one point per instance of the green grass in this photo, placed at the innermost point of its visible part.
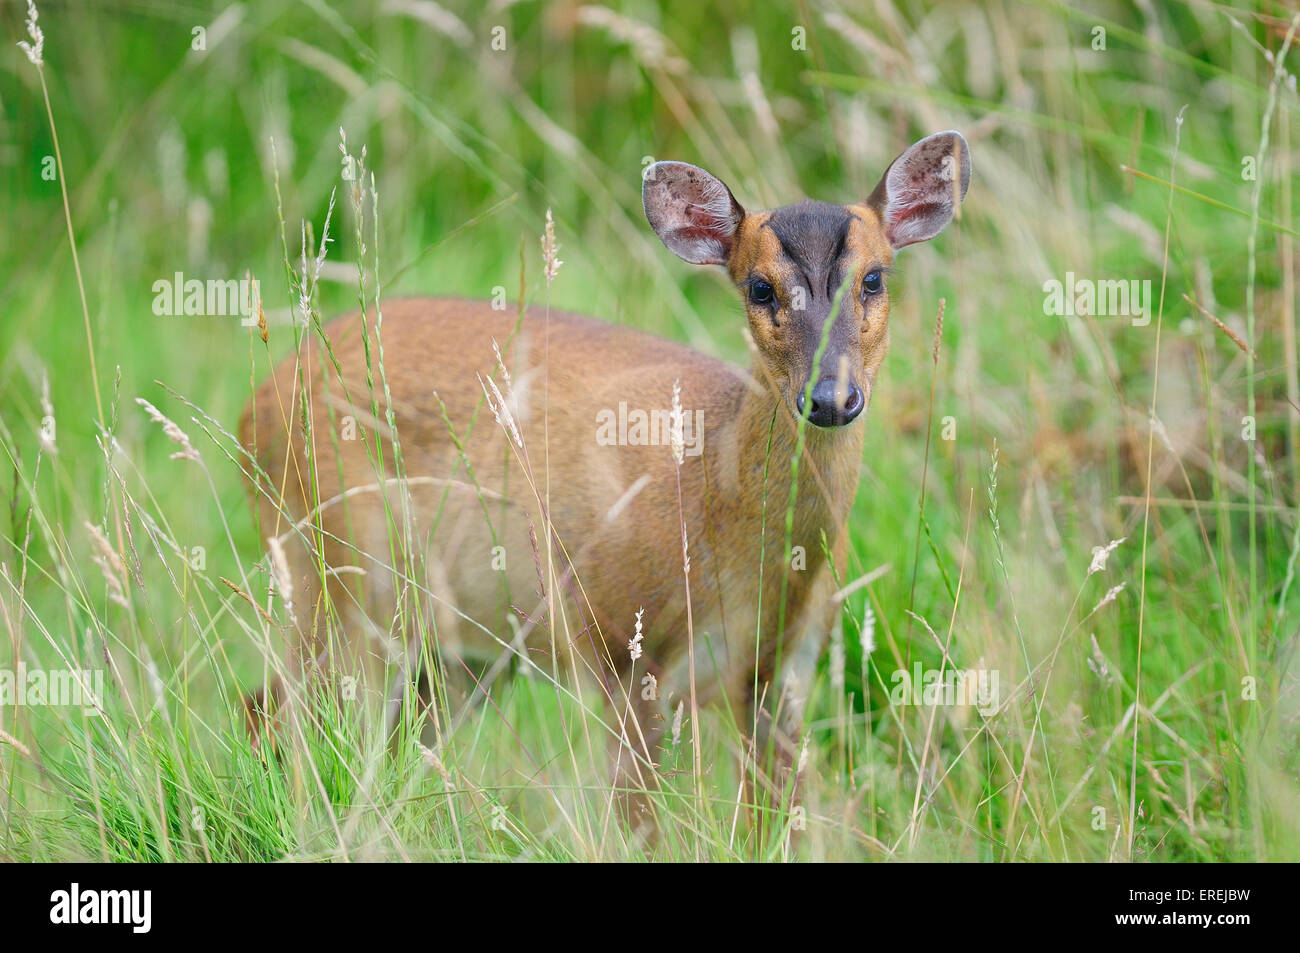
(1180, 744)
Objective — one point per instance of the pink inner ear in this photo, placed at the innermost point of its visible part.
(694, 231)
(920, 197)
(710, 207)
(692, 212)
(906, 221)
(707, 220)
(922, 187)
(704, 221)
(697, 215)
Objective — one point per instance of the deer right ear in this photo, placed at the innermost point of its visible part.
(693, 213)
(919, 192)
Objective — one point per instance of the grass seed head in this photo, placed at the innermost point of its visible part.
(1101, 553)
(550, 250)
(174, 433)
(634, 646)
(678, 425)
(35, 50)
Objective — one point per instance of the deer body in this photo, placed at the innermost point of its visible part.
(479, 495)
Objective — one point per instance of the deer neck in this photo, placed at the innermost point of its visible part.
(765, 441)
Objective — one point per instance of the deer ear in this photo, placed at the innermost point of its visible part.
(921, 189)
(693, 213)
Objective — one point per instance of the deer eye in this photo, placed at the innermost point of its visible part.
(873, 283)
(760, 292)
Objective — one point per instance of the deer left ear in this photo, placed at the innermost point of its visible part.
(919, 192)
(693, 213)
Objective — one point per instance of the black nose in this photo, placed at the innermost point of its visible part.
(826, 410)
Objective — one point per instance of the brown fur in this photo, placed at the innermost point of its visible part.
(565, 370)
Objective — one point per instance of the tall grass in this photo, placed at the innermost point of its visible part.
(1160, 724)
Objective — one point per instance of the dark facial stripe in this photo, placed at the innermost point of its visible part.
(833, 271)
(813, 236)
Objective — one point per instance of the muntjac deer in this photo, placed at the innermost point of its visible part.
(553, 536)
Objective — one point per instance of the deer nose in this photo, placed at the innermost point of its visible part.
(825, 408)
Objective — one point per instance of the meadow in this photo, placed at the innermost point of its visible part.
(1085, 478)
